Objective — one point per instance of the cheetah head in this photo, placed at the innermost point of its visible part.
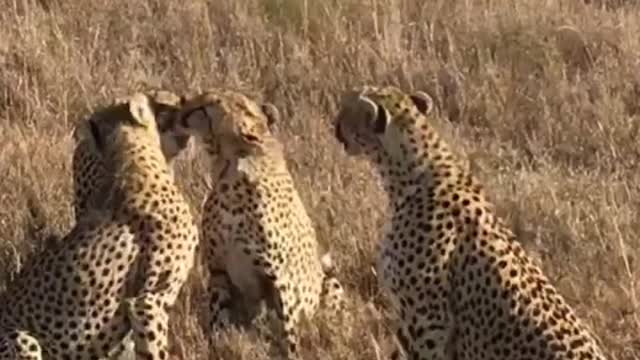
(109, 127)
(378, 120)
(230, 124)
(164, 104)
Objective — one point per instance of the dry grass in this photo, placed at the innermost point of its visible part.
(542, 96)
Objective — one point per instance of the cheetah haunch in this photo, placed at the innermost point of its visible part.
(461, 285)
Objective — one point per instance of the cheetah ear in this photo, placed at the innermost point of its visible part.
(141, 110)
(422, 101)
(377, 116)
(272, 113)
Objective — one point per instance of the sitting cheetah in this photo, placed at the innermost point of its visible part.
(258, 237)
(460, 283)
(119, 269)
(89, 175)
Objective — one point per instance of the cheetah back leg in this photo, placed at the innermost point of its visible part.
(149, 324)
(19, 345)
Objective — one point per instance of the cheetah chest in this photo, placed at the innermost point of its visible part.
(243, 273)
(386, 265)
(241, 253)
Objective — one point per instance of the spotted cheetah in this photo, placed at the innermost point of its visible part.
(258, 237)
(461, 285)
(90, 179)
(120, 269)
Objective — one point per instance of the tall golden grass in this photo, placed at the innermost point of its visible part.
(541, 96)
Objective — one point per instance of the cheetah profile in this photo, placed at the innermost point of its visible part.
(257, 235)
(461, 285)
(121, 268)
(91, 181)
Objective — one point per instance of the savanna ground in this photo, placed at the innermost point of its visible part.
(542, 96)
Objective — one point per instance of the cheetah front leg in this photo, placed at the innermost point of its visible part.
(220, 287)
(149, 324)
(427, 332)
(19, 345)
(220, 300)
(423, 323)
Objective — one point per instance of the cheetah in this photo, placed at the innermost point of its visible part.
(257, 235)
(120, 269)
(460, 284)
(90, 179)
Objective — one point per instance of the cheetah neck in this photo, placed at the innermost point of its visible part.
(419, 164)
